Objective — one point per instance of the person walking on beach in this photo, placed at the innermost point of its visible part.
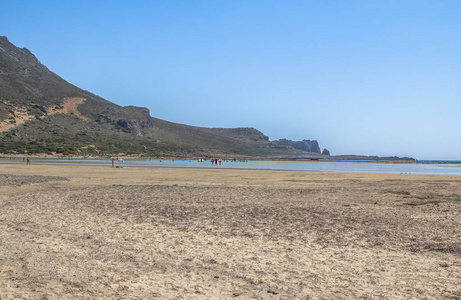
(113, 162)
(28, 161)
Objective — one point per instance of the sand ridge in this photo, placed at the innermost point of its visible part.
(68, 106)
(21, 115)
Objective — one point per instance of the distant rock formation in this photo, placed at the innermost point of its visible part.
(136, 120)
(326, 152)
(304, 145)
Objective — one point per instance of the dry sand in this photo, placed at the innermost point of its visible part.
(21, 114)
(69, 232)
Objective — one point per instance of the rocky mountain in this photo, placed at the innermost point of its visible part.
(41, 112)
(304, 145)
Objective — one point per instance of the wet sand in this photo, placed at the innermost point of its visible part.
(71, 232)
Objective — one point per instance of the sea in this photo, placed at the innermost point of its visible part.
(307, 166)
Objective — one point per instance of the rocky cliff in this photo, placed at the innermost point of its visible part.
(304, 145)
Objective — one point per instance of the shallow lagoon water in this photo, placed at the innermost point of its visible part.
(311, 166)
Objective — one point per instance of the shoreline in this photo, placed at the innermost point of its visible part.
(384, 161)
(275, 165)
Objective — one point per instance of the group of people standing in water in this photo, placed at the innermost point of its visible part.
(216, 161)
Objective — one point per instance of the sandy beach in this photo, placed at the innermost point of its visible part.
(72, 232)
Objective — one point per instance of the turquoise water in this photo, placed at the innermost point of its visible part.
(311, 166)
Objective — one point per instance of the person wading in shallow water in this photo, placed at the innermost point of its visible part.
(28, 161)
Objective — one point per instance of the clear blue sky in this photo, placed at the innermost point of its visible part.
(361, 77)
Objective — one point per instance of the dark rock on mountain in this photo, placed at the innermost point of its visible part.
(304, 145)
(139, 123)
(41, 112)
(326, 152)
